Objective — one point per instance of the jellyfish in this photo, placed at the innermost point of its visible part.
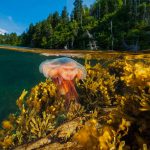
(63, 71)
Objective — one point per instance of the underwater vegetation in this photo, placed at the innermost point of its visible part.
(113, 112)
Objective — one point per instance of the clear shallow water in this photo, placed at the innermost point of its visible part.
(18, 71)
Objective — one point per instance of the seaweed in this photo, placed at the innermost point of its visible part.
(113, 112)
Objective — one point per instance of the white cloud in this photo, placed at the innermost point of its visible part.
(3, 31)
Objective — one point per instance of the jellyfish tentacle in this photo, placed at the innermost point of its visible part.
(73, 90)
(69, 92)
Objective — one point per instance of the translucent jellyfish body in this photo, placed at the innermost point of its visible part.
(63, 71)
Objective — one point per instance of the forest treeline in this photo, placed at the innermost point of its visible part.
(106, 24)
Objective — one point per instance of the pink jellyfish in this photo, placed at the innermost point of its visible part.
(63, 71)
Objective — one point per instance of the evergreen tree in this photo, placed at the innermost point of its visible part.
(78, 10)
(64, 15)
(108, 23)
(55, 19)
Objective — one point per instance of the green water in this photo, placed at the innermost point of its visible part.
(18, 71)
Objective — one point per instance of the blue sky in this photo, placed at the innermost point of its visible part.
(16, 15)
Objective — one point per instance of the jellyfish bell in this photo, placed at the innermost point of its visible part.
(65, 67)
(63, 71)
(73, 70)
(81, 74)
(48, 69)
(68, 71)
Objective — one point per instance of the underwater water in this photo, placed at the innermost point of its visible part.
(19, 71)
(113, 102)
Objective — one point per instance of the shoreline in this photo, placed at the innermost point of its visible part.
(74, 53)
